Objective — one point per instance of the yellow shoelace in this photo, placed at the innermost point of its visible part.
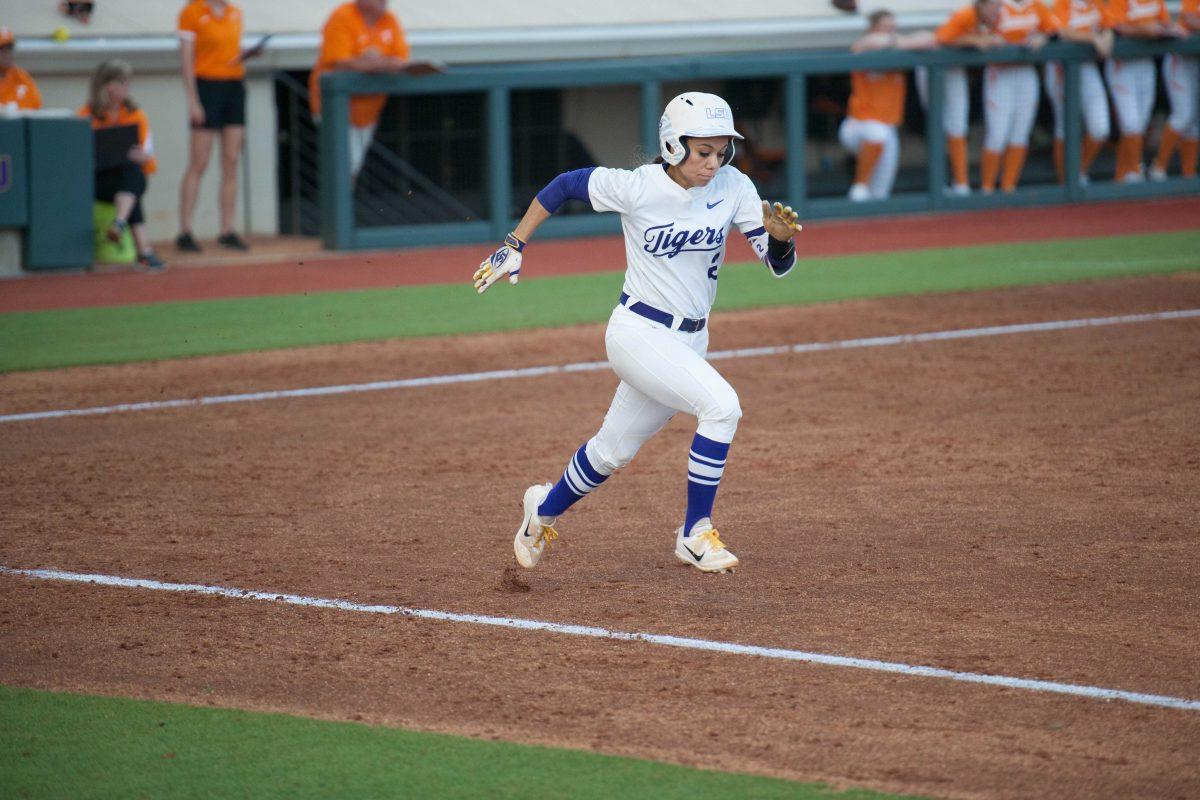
(713, 539)
(548, 535)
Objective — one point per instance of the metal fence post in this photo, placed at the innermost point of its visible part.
(935, 135)
(795, 111)
(1072, 128)
(499, 138)
(336, 188)
(651, 113)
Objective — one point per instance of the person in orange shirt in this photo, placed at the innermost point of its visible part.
(363, 36)
(210, 44)
(1088, 22)
(1181, 75)
(876, 108)
(110, 105)
(975, 27)
(1132, 82)
(16, 85)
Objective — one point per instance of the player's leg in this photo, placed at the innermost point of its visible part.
(1144, 87)
(1120, 76)
(997, 120)
(199, 150)
(1053, 84)
(1095, 116)
(1023, 87)
(1180, 81)
(851, 137)
(955, 116)
(232, 138)
(884, 176)
(360, 145)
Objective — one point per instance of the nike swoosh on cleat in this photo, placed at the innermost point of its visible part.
(711, 206)
(692, 553)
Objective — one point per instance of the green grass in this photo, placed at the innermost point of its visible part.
(55, 745)
(50, 339)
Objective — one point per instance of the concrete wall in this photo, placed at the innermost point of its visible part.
(161, 95)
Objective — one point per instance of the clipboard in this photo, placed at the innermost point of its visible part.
(256, 50)
(112, 145)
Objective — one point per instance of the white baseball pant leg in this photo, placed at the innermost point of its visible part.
(360, 143)
(854, 132)
(1132, 85)
(1010, 95)
(662, 372)
(1181, 76)
(1093, 99)
(956, 105)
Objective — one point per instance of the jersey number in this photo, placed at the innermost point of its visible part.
(716, 265)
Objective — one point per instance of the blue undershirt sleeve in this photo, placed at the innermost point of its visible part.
(567, 186)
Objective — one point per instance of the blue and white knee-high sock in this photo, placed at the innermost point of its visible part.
(706, 465)
(578, 480)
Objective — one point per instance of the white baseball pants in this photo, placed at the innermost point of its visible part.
(854, 132)
(1181, 76)
(1132, 86)
(956, 105)
(662, 372)
(1010, 98)
(1093, 100)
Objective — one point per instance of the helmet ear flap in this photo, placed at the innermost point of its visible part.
(729, 151)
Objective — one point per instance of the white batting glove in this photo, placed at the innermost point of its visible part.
(505, 261)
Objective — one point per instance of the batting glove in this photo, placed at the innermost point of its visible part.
(505, 261)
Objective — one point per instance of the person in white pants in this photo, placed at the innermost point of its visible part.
(876, 108)
(1132, 82)
(1085, 21)
(1181, 76)
(675, 216)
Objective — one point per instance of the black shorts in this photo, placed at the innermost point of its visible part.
(126, 178)
(224, 103)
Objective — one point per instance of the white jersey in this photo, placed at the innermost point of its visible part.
(674, 237)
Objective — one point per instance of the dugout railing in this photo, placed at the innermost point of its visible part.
(339, 230)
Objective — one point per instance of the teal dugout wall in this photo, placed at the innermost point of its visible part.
(14, 175)
(338, 230)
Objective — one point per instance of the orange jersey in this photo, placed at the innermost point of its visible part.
(123, 116)
(1189, 7)
(218, 40)
(878, 96)
(16, 86)
(961, 23)
(1082, 16)
(1138, 12)
(346, 35)
(1019, 19)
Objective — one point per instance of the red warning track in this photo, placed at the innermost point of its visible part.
(322, 272)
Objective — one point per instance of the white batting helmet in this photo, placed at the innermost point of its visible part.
(694, 114)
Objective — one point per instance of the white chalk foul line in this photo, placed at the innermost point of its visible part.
(593, 632)
(590, 366)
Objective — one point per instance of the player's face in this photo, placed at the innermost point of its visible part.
(6, 56)
(117, 91)
(989, 13)
(705, 157)
(372, 8)
(886, 24)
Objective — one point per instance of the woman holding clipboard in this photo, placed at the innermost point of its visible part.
(121, 176)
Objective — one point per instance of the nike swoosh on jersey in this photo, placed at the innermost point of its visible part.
(711, 206)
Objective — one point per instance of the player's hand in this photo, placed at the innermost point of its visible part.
(780, 221)
(138, 155)
(1103, 42)
(505, 261)
(1036, 41)
(196, 114)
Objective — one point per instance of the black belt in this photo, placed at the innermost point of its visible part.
(662, 317)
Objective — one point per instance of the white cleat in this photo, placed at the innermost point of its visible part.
(1158, 175)
(960, 190)
(859, 193)
(536, 533)
(704, 549)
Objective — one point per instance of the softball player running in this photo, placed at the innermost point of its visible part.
(1084, 21)
(1132, 82)
(1181, 74)
(974, 26)
(876, 107)
(1010, 95)
(675, 217)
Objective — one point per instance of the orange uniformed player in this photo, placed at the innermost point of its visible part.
(16, 85)
(363, 36)
(210, 43)
(1132, 82)
(1088, 22)
(1181, 75)
(110, 105)
(973, 26)
(876, 108)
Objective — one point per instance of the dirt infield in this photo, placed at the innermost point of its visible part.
(1025, 505)
(204, 277)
